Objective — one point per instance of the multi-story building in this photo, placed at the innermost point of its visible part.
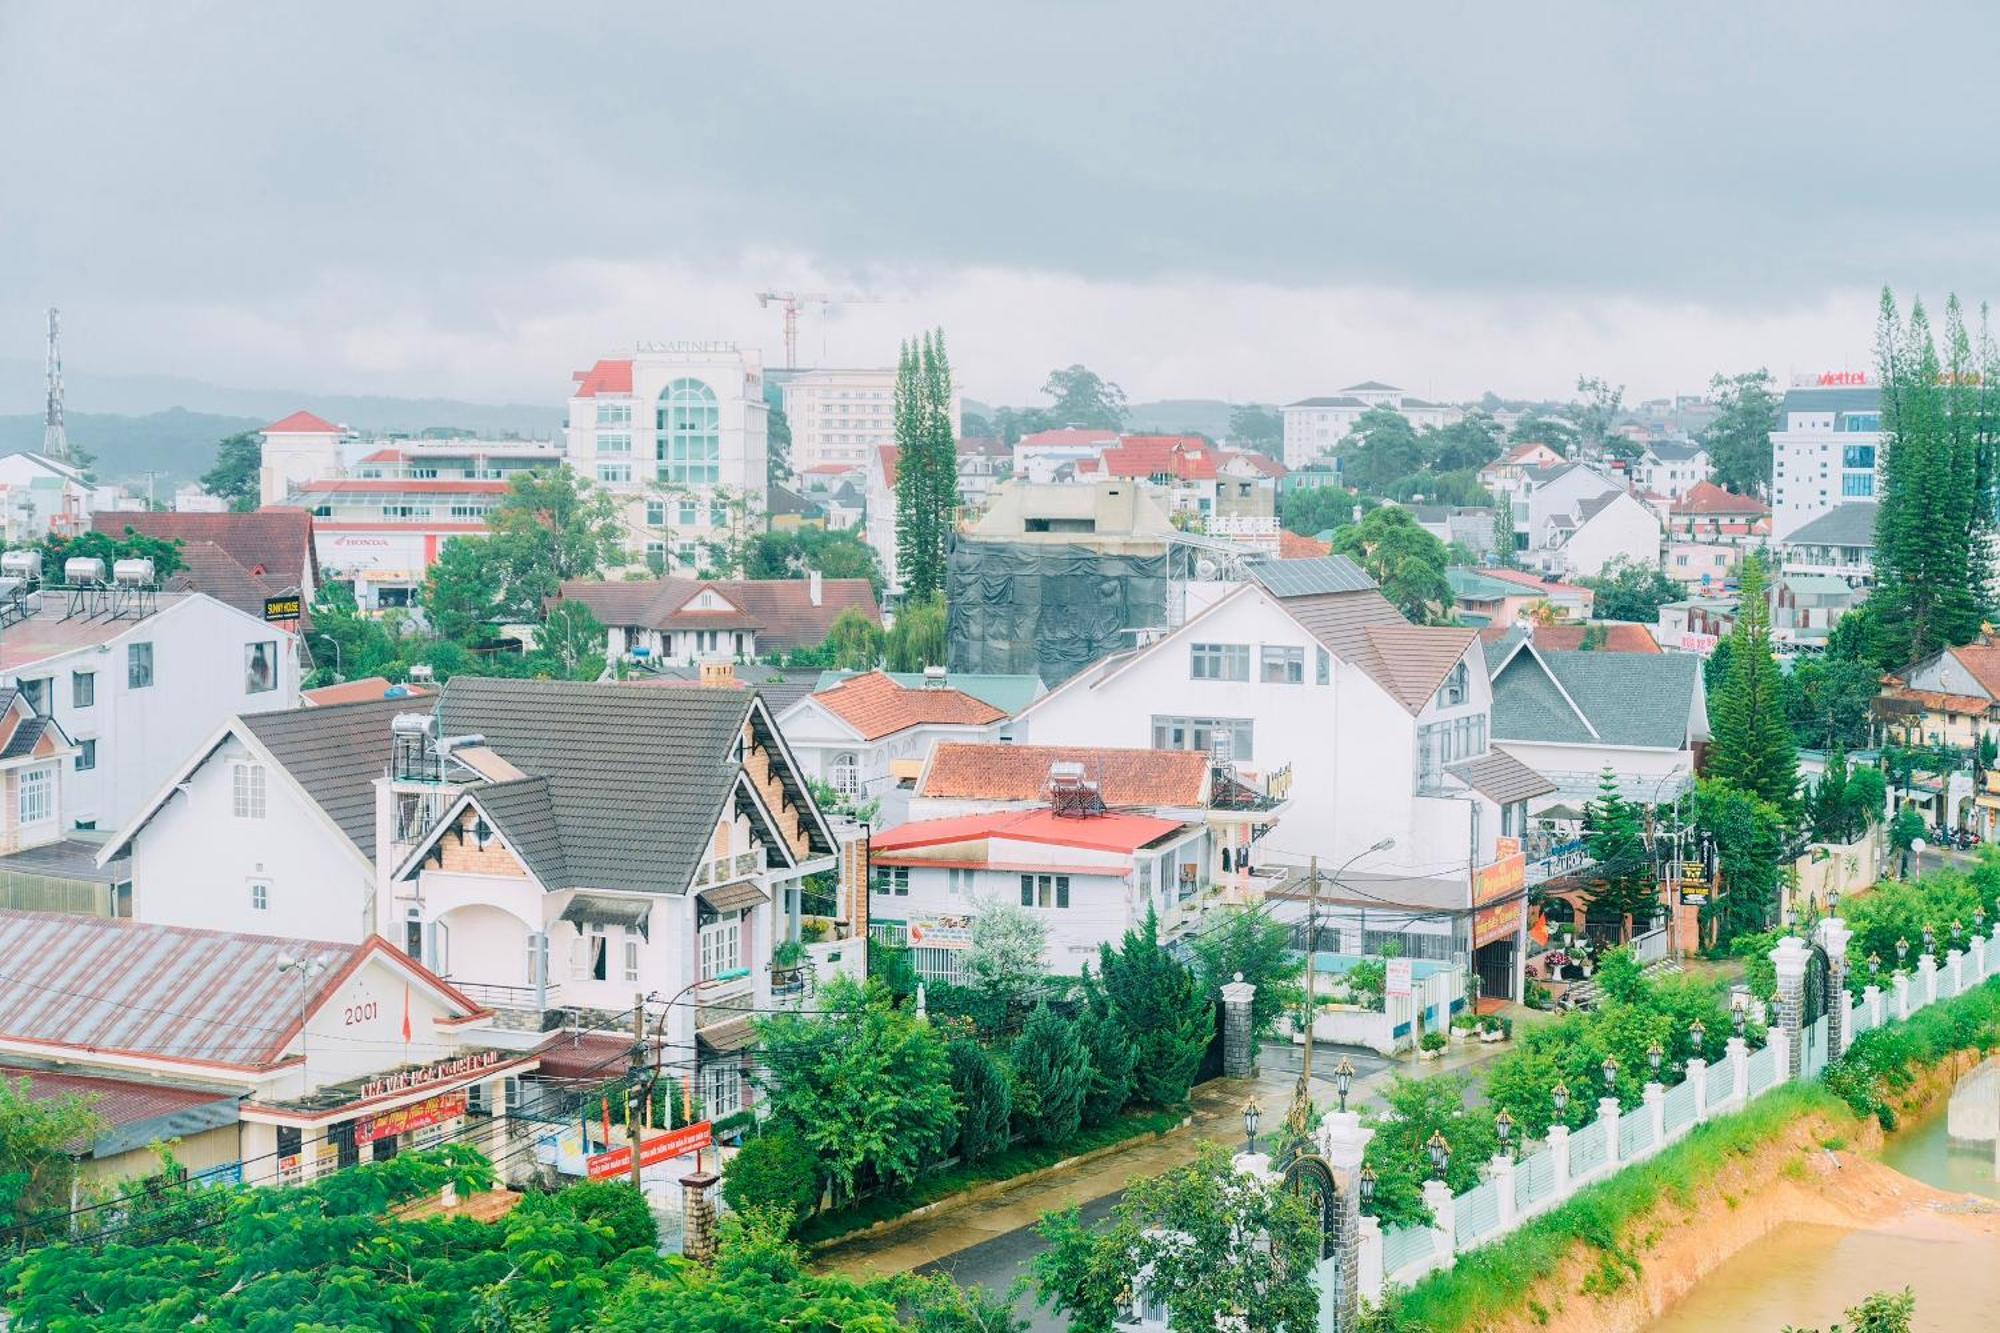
(1827, 448)
(1840, 542)
(1197, 478)
(1672, 468)
(40, 495)
(137, 679)
(1315, 425)
(837, 416)
(677, 433)
(44, 866)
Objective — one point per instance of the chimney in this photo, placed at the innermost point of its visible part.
(718, 675)
(934, 678)
(815, 587)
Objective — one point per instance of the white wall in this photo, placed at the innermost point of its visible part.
(1102, 907)
(1623, 529)
(193, 864)
(144, 735)
(1575, 769)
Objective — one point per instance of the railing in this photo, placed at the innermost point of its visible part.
(1650, 947)
(509, 997)
(724, 869)
(787, 982)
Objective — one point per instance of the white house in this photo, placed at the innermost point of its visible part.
(138, 680)
(1672, 468)
(869, 734)
(678, 434)
(40, 495)
(1315, 425)
(1569, 714)
(1839, 543)
(1089, 878)
(1602, 529)
(1055, 455)
(268, 826)
(43, 866)
(685, 621)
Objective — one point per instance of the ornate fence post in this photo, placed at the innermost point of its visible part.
(1444, 1223)
(1697, 1077)
(1559, 1160)
(1344, 1143)
(1902, 995)
(1926, 982)
(1610, 1117)
(698, 1216)
(1955, 961)
(1656, 1114)
(1739, 1070)
(1371, 1259)
(1833, 937)
(1790, 959)
(1239, 1049)
(1503, 1188)
(1872, 997)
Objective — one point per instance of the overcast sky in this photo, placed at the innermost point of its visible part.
(1197, 200)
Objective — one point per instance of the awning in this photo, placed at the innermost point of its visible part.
(733, 897)
(598, 910)
(728, 1036)
(906, 770)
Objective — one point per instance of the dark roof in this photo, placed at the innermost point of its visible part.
(274, 543)
(1851, 524)
(133, 1112)
(68, 858)
(524, 811)
(1315, 574)
(208, 568)
(1675, 451)
(785, 500)
(635, 778)
(1340, 400)
(1501, 778)
(23, 739)
(1632, 699)
(781, 611)
(1371, 386)
(335, 753)
(1832, 400)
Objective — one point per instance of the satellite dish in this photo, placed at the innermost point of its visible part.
(1206, 568)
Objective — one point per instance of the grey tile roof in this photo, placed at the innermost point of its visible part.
(1341, 400)
(1371, 386)
(335, 753)
(1501, 778)
(1636, 699)
(636, 778)
(1303, 578)
(1851, 524)
(1674, 451)
(26, 736)
(1832, 400)
(524, 812)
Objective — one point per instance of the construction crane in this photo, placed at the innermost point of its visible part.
(55, 437)
(790, 302)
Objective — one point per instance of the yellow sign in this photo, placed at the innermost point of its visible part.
(282, 608)
(1503, 885)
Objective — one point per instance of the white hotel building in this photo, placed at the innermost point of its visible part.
(1828, 448)
(1315, 425)
(677, 432)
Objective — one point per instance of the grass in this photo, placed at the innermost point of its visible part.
(1497, 1280)
(1016, 1161)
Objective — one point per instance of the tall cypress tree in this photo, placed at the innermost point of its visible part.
(1934, 523)
(1753, 747)
(927, 466)
(1614, 834)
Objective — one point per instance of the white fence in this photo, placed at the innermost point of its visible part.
(1514, 1191)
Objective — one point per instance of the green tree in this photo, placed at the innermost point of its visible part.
(550, 526)
(778, 448)
(926, 466)
(1407, 562)
(1218, 1248)
(1748, 834)
(1312, 510)
(1536, 427)
(1160, 1005)
(1631, 590)
(1828, 805)
(1079, 397)
(794, 554)
(1243, 941)
(1380, 450)
(1738, 439)
(1595, 415)
(1933, 522)
(236, 476)
(775, 1172)
(919, 638)
(37, 1172)
(1466, 445)
(1622, 884)
(1753, 748)
(854, 642)
(1254, 426)
(866, 1085)
(1412, 1110)
(462, 588)
(1051, 1077)
(571, 643)
(1828, 702)
(985, 1099)
(111, 547)
(1004, 955)
(1112, 1061)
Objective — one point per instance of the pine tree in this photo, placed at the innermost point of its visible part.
(1832, 811)
(1753, 748)
(1614, 833)
(1160, 1005)
(1051, 1077)
(926, 466)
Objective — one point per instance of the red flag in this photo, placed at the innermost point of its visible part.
(406, 1011)
(606, 1104)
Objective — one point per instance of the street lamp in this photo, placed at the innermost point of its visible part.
(1978, 918)
(1559, 1094)
(1343, 1079)
(1930, 938)
(1654, 1054)
(1252, 1113)
(1696, 1035)
(1833, 902)
(1957, 929)
(1440, 1152)
(1738, 1019)
(1902, 951)
(1610, 1069)
(1503, 1126)
(1367, 1185)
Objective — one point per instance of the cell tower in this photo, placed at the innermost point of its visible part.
(55, 438)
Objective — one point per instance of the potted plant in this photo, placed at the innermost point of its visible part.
(1432, 1045)
(1555, 960)
(788, 954)
(1492, 1029)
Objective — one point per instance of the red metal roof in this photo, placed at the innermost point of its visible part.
(604, 377)
(1103, 833)
(385, 456)
(1069, 435)
(115, 1101)
(302, 423)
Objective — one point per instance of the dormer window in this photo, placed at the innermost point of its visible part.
(1454, 690)
(482, 832)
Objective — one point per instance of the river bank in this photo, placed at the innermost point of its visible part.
(1622, 1255)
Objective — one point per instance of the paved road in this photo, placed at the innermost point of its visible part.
(999, 1263)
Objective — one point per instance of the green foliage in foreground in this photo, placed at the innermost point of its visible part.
(1495, 1281)
(1882, 1312)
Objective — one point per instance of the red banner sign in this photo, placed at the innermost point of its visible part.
(658, 1149)
(417, 1115)
(1499, 885)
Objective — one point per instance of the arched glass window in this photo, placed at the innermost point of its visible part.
(690, 434)
(846, 774)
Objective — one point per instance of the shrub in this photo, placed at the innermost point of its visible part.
(774, 1173)
(1051, 1075)
(1433, 1041)
(985, 1100)
(1161, 1007)
(618, 1206)
(1111, 1061)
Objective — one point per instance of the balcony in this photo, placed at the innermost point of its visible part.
(727, 869)
(517, 1008)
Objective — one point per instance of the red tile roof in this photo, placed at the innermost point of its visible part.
(877, 706)
(385, 456)
(1523, 578)
(781, 611)
(1187, 457)
(889, 454)
(302, 423)
(1264, 463)
(402, 486)
(1068, 435)
(273, 543)
(1102, 833)
(207, 568)
(1021, 773)
(604, 377)
(1619, 638)
(1705, 497)
(1291, 546)
(367, 689)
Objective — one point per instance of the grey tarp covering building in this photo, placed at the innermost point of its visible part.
(1051, 609)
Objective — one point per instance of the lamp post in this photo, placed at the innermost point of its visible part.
(1610, 1071)
(1440, 1153)
(1367, 1186)
(1697, 1034)
(337, 669)
(1902, 951)
(1301, 1111)
(1930, 938)
(1252, 1113)
(1503, 1127)
(1957, 929)
(1654, 1054)
(1559, 1094)
(1343, 1079)
(1738, 1019)
(1874, 967)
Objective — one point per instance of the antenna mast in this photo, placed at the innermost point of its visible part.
(55, 438)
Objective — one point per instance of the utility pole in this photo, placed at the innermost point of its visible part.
(1299, 1119)
(638, 1064)
(55, 435)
